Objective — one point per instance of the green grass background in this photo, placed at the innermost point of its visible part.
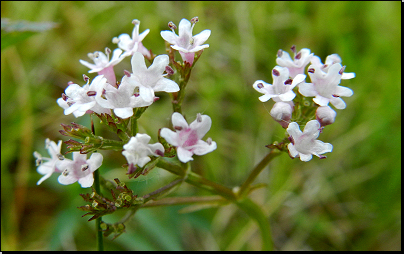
(350, 201)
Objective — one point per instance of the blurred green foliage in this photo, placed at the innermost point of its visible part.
(350, 201)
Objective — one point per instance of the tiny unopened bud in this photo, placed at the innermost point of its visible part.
(169, 70)
(282, 113)
(280, 53)
(311, 70)
(172, 26)
(91, 93)
(127, 73)
(194, 20)
(293, 48)
(94, 204)
(199, 117)
(85, 77)
(342, 70)
(275, 72)
(325, 115)
(115, 40)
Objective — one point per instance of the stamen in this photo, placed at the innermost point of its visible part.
(65, 172)
(115, 40)
(288, 82)
(194, 20)
(311, 70)
(275, 72)
(159, 153)
(293, 48)
(172, 26)
(199, 117)
(86, 78)
(280, 53)
(91, 93)
(60, 157)
(127, 73)
(178, 128)
(90, 55)
(322, 157)
(70, 83)
(84, 167)
(336, 96)
(64, 97)
(135, 22)
(96, 54)
(209, 141)
(107, 51)
(342, 70)
(169, 70)
(260, 85)
(298, 55)
(291, 140)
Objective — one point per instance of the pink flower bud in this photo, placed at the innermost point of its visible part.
(325, 115)
(282, 113)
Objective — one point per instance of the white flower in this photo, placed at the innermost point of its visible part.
(305, 144)
(53, 164)
(152, 79)
(185, 43)
(187, 139)
(138, 150)
(325, 86)
(122, 99)
(296, 66)
(81, 169)
(330, 60)
(134, 44)
(103, 65)
(78, 100)
(281, 90)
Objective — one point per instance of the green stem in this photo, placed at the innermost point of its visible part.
(133, 123)
(256, 171)
(100, 239)
(255, 212)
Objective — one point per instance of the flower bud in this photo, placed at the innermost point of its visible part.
(325, 115)
(282, 112)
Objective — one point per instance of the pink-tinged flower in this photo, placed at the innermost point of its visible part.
(185, 43)
(138, 150)
(325, 86)
(79, 100)
(297, 65)
(55, 163)
(304, 144)
(134, 44)
(282, 112)
(325, 115)
(152, 79)
(81, 169)
(122, 99)
(330, 60)
(103, 65)
(187, 138)
(281, 90)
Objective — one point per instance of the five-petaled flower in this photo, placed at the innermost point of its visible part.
(134, 44)
(55, 163)
(296, 66)
(187, 138)
(103, 65)
(325, 86)
(80, 169)
(152, 79)
(304, 144)
(184, 42)
(138, 150)
(281, 90)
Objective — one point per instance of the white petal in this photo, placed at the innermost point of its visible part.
(155, 147)
(265, 97)
(292, 150)
(95, 161)
(86, 181)
(179, 120)
(305, 157)
(288, 96)
(201, 127)
(159, 65)
(343, 91)
(124, 112)
(200, 38)
(170, 136)
(202, 147)
(348, 75)
(294, 130)
(338, 103)
(298, 79)
(146, 93)
(65, 180)
(169, 36)
(184, 155)
(307, 89)
(322, 101)
(138, 63)
(166, 85)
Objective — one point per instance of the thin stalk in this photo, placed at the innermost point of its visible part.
(133, 127)
(257, 170)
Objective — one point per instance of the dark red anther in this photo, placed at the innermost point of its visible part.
(288, 82)
(275, 72)
(342, 70)
(171, 25)
(311, 70)
(159, 153)
(85, 77)
(127, 73)
(169, 70)
(91, 93)
(334, 95)
(322, 157)
(194, 20)
(260, 85)
(293, 48)
(298, 55)
(280, 53)
(178, 128)
(64, 97)
(291, 140)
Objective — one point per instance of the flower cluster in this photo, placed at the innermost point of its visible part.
(118, 102)
(324, 87)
